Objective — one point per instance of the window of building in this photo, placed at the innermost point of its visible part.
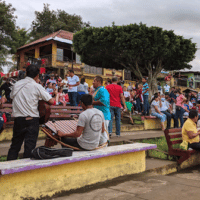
(93, 70)
(65, 54)
(197, 84)
(127, 75)
(60, 54)
(182, 82)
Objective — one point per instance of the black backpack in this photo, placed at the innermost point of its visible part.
(43, 152)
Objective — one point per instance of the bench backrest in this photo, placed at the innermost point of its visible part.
(173, 136)
(57, 112)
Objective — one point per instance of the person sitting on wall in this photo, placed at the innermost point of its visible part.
(89, 128)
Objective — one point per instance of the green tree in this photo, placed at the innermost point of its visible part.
(7, 29)
(141, 49)
(20, 38)
(49, 21)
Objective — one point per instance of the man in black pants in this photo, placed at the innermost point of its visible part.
(25, 94)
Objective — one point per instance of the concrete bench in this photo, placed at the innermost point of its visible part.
(27, 178)
(152, 123)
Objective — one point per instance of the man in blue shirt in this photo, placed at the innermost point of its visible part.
(145, 93)
(102, 99)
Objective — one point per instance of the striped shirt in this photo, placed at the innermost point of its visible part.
(145, 87)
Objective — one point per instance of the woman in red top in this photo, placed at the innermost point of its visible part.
(139, 98)
(180, 106)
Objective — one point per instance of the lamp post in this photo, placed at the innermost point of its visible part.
(72, 57)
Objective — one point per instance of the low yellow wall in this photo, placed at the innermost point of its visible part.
(48, 181)
(152, 124)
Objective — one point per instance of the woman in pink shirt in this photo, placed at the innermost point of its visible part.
(179, 106)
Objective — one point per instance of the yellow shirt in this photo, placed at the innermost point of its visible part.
(189, 125)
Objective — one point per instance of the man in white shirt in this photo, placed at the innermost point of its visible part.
(73, 82)
(166, 88)
(166, 108)
(90, 127)
(25, 94)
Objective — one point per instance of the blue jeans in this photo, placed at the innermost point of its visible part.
(162, 117)
(179, 115)
(138, 104)
(169, 116)
(146, 104)
(115, 111)
(73, 98)
(79, 95)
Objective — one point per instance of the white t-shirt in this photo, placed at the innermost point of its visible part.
(126, 94)
(72, 81)
(65, 86)
(25, 94)
(91, 119)
(167, 88)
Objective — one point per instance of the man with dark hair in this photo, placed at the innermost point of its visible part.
(116, 97)
(22, 73)
(25, 94)
(102, 99)
(6, 87)
(73, 82)
(89, 128)
(190, 134)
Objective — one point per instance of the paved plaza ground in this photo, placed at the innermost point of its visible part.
(184, 185)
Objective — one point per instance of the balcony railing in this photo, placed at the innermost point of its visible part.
(45, 61)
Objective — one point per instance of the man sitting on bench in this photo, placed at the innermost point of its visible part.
(89, 128)
(189, 131)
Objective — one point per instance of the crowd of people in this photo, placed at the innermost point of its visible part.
(102, 102)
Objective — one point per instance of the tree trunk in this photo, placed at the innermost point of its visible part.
(152, 80)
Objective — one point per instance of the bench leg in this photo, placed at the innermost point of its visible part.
(183, 158)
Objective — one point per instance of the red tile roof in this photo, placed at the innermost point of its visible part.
(61, 34)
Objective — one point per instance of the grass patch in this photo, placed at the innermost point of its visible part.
(161, 145)
(2, 159)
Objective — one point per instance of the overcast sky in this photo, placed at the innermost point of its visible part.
(179, 15)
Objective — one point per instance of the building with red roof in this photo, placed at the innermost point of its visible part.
(54, 53)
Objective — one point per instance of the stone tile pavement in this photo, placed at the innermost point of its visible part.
(178, 186)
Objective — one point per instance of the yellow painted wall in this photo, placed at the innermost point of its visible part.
(47, 181)
(54, 54)
(152, 124)
(37, 52)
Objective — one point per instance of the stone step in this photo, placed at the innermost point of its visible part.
(129, 127)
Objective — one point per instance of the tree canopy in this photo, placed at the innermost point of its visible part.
(136, 47)
(7, 28)
(11, 36)
(49, 21)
